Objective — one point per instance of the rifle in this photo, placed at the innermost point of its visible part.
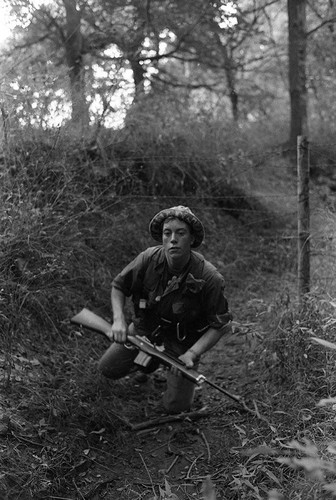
(94, 322)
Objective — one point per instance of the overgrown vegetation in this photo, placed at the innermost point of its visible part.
(72, 215)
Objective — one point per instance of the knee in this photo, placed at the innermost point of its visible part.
(116, 362)
(107, 370)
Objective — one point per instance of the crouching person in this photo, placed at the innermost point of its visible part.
(177, 295)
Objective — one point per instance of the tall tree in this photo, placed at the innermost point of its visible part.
(227, 42)
(73, 44)
(321, 61)
(297, 53)
(52, 34)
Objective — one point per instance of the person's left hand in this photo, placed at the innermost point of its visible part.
(188, 359)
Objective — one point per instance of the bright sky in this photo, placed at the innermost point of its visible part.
(5, 24)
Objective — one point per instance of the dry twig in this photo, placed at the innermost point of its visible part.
(192, 465)
(148, 473)
(172, 464)
(170, 418)
(207, 446)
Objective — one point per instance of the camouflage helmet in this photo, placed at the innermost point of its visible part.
(182, 213)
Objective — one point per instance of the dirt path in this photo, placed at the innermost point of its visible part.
(161, 458)
(65, 433)
(181, 453)
(63, 444)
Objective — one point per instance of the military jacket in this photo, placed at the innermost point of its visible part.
(180, 307)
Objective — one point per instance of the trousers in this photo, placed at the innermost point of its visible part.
(118, 361)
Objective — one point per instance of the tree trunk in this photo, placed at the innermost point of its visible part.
(228, 67)
(138, 78)
(232, 95)
(74, 57)
(297, 69)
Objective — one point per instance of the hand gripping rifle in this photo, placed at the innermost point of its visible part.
(94, 322)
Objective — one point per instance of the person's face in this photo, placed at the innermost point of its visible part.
(176, 240)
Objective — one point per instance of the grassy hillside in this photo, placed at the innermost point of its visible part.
(72, 216)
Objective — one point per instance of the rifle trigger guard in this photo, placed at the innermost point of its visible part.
(130, 346)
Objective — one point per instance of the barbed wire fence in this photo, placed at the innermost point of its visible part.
(311, 210)
(316, 224)
(240, 190)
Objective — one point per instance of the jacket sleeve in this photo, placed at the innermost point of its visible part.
(130, 278)
(215, 303)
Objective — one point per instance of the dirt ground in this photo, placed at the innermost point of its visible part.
(190, 455)
(179, 454)
(66, 433)
(112, 439)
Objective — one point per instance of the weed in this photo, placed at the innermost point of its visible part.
(65, 231)
(290, 357)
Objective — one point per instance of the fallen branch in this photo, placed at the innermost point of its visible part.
(193, 415)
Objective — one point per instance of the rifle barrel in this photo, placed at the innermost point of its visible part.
(238, 399)
(94, 322)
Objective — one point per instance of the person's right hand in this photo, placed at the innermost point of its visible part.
(118, 331)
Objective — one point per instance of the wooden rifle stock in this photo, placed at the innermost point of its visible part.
(94, 322)
(91, 320)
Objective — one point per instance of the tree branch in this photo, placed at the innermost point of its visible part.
(330, 21)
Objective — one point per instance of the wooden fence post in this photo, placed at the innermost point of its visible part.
(303, 166)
